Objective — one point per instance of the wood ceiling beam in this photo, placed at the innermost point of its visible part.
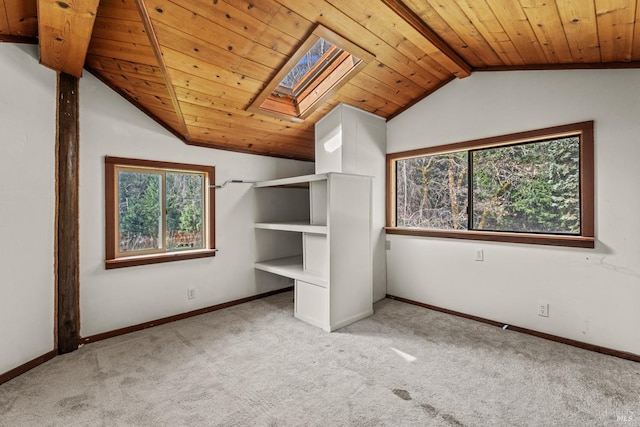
(64, 28)
(157, 50)
(19, 18)
(454, 62)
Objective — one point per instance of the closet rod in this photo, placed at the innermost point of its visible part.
(232, 181)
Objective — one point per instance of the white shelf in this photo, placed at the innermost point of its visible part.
(333, 277)
(291, 181)
(291, 267)
(298, 226)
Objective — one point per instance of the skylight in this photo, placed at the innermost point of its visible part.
(320, 52)
(320, 67)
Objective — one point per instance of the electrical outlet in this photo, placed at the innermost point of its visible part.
(191, 293)
(387, 245)
(479, 255)
(543, 309)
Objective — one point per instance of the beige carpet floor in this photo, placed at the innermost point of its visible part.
(255, 365)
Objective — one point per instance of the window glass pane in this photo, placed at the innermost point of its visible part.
(531, 187)
(431, 192)
(306, 63)
(140, 218)
(185, 211)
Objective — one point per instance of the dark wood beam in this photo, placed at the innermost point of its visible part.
(67, 214)
(454, 62)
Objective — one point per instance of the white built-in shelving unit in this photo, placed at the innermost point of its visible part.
(333, 274)
(350, 140)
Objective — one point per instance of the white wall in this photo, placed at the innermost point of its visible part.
(27, 205)
(594, 294)
(112, 299)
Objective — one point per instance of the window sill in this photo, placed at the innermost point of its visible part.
(133, 261)
(527, 238)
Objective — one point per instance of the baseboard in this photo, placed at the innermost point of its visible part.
(146, 325)
(50, 355)
(568, 341)
(27, 366)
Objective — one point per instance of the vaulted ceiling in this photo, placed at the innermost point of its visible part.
(195, 66)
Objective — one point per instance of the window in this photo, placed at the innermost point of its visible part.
(318, 68)
(313, 62)
(157, 212)
(531, 187)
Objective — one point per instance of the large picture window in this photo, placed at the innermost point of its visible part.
(157, 211)
(531, 187)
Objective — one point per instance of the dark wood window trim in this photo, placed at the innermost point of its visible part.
(111, 261)
(586, 239)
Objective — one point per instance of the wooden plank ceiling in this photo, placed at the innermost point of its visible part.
(196, 65)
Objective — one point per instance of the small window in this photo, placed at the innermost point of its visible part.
(532, 187)
(322, 64)
(157, 212)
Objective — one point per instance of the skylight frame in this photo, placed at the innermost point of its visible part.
(312, 73)
(285, 104)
